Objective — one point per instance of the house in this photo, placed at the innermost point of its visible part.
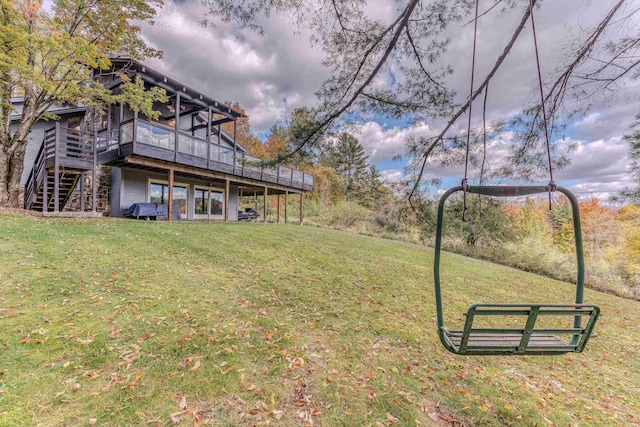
(184, 159)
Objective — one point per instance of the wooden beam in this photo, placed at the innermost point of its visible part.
(177, 124)
(209, 115)
(170, 201)
(301, 203)
(226, 200)
(213, 123)
(203, 173)
(56, 171)
(264, 208)
(94, 177)
(235, 145)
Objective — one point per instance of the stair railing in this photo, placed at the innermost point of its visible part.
(34, 179)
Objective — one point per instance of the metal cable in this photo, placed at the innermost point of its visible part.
(552, 186)
(465, 185)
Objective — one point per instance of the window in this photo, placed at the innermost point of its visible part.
(201, 201)
(209, 203)
(217, 202)
(159, 193)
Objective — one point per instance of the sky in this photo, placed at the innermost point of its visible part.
(272, 74)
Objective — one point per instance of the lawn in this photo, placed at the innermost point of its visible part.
(116, 322)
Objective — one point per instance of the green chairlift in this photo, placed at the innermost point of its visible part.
(526, 339)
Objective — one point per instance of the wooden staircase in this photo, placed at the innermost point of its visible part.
(64, 156)
(67, 181)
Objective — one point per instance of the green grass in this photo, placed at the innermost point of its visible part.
(114, 322)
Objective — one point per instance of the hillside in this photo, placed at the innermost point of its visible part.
(114, 322)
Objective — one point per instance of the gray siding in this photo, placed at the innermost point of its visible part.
(233, 203)
(116, 187)
(134, 189)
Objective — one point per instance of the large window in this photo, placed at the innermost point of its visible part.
(217, 202)
(209, 203)
(159, 193)
(201, 201)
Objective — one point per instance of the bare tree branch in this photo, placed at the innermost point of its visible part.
(438, 139)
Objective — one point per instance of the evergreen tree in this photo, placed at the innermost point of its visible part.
(633, 194)
(347, 156)
(371, 190)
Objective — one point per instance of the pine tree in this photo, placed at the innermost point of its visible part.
(347, 156)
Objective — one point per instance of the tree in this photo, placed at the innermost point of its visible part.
(633, 194)
(243, 132)
(50, 57)
(346, 155)
(409, 46)
(371, 190)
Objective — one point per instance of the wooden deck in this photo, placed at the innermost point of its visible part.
(151, 140)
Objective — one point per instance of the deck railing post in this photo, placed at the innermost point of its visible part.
(56, 167)
(177, 126)
(210, 115)
(234, 145)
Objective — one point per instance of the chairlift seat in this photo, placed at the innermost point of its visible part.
(528, 340)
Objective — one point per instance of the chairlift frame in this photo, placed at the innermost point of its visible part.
(527, 340)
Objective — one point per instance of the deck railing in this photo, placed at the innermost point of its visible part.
(182, 147)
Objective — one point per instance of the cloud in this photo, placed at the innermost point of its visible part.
(268, 76)
(380, 143)
(391, 176)
(600, 161)
(606, 124)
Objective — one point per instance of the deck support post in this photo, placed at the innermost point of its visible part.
(301, 204)
(82, 191)
(94, 178)
(56, 171)
(278, 210)
(45, 191)
(286, 208)
(226, 200)
(170, 201)
(264, 208)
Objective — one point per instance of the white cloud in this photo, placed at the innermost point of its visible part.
(391, 176)
(380, 143)
(597, 162)
(268, 76)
